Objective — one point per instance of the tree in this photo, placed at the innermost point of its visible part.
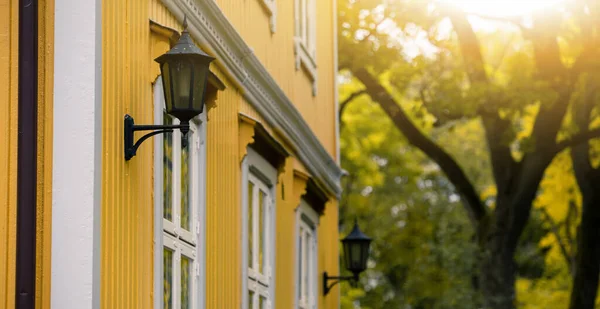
(456, 82)
(587, 263)
(421, 255)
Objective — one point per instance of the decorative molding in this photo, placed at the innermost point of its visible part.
(167, 32)
(271, 7)
(263, 142)
(211, 29)
(299, 189)
(215, 85)
(246, 135)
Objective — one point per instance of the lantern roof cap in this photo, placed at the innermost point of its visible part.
(356, 234)
(185, 46)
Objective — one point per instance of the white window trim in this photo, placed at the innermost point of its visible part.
(271, 8)
(198, 213)
(252, 164)
(305, 57)
(304, 209)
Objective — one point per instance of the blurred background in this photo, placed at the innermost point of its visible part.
(468, 129)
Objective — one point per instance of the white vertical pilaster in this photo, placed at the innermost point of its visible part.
(76, 177)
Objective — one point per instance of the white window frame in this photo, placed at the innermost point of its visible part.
(264, 177)
(305, 38)
(271, 7)
(169, 234)
(307, 221)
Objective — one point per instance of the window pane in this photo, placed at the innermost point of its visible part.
(250, 223)
(167, 278)
(261, 230)
(167, 171)
(262, 303)
(250, 299)
(185, 282)
(300, 262)
(308, 264)
(185, 185)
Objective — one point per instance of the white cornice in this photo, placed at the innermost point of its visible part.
(211, 29)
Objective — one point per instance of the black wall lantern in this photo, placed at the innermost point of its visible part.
(356, 253)
(184, 70)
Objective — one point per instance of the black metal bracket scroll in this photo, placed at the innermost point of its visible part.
(130, 127)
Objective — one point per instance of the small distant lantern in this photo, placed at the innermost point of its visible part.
(356, 250)
(184, 70)
(356, 254)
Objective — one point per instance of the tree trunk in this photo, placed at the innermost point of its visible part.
(498, 269)
(587, 261)
(499, 242)
(587, 268)
(497, 277)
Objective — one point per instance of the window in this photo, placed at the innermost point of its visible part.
(305, 38)
(258, 208)
(179, 192)
(306, 249)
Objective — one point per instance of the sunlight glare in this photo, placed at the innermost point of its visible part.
(502, 8)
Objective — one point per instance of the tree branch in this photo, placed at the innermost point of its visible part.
(550, 69)
(449, 166)
(350, 98)
(495, 127)
(572, 217)
(547, 123)
(563, 248)
(577, 140)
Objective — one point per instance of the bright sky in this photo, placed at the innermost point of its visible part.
(503, 8)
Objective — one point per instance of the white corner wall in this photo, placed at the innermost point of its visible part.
(76, 155)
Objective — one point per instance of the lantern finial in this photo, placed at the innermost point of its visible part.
(185, 24)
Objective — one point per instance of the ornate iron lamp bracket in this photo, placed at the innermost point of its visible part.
(327, 287)
(131, 127)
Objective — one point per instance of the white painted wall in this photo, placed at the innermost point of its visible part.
(76, 155)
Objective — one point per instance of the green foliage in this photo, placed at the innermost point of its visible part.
(422, 254)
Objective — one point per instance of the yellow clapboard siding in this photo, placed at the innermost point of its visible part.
(276, 53)
(223, 212)
(127, 206)
(44, 148)
(9, 24)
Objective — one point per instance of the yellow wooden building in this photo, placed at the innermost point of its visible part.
(243, 216)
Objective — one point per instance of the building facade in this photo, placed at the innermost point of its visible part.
(244, 215)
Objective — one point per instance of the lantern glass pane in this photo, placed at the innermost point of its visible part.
(181, 74)
(167, 85)
(200, 79)
(355, 255)
(347, 255)
(365, 254)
